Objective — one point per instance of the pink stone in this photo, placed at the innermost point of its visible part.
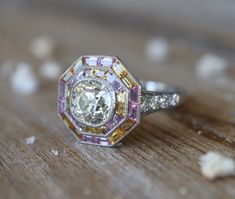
(81, 137)
(61, 89)
(110, 125)
(113, 122)
(86, 138)
(132, 112)
(91, 61)
(61, 106)
(90, 138)
(95, 139)
(118, 118)
(134, 94)
(117, 86)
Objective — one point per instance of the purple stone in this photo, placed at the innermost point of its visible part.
(81, 137)
(132, 112)
(134, 94)
(91, 61)
(95, 139)
(110, 78)
(109, 125)
(118, 118)
(113, 122)
(107, 61)
(61, 89)
(117, 86)
(61, 106)
(87, 138)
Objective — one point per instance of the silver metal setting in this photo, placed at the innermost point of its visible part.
(159, 96)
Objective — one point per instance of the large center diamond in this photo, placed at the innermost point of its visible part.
(92, 102)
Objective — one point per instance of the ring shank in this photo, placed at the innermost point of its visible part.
(159, 96)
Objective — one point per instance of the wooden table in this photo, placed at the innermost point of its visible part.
(159, 159)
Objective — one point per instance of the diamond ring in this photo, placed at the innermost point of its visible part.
(100, 100)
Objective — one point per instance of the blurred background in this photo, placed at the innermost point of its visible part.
(164, 37)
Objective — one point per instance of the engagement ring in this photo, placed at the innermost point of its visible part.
(101, 101)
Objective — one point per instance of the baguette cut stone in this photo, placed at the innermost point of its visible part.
(92, 101)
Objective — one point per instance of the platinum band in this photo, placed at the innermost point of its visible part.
(159, 96)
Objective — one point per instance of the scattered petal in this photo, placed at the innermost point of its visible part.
(215, 165)
(23, 79)
(157, 49)
(50, 70)
(199, 132)
(30, 140)
(42, 47)
(210, 66)
(54, 152)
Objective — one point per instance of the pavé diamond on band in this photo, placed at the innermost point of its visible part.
(101, 101)
(156, 96)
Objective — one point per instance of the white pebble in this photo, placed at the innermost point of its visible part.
(211, 66)
(42, 47)
(199, 132)
(54, 152)
(157, 49)
(30, 140)
(50, 70)
(23, 79)
(215, 165)
(183, 191)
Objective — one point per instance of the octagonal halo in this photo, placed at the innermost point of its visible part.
(98, 100)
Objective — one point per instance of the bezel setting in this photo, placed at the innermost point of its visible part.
(127, 90)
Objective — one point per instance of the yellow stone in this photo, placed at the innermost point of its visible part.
(68, 123)
(121, 103)
(128, 81)
(127, 125)
(97, 130)
(116, 135)
(120, 108)
(119, 70)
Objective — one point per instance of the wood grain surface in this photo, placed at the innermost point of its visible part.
(159, 159)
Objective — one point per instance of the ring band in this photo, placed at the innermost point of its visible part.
(100, 100)
(159, 96)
